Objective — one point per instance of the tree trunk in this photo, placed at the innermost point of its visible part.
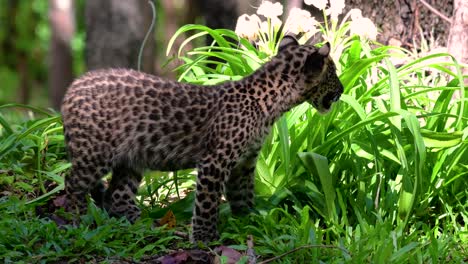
(14, 57)
(218, 14)
(62, 23)
(458, 37)
(406, 20)
(115, 30)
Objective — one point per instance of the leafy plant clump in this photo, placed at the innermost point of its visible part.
(390, 158)
(381, 178)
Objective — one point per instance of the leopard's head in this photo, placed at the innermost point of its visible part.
(319, 84)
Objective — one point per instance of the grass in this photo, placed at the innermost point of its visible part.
(29, 239)
(380, 179)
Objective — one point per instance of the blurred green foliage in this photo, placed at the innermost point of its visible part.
(24, 45)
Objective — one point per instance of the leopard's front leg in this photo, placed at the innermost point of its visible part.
(211, 176)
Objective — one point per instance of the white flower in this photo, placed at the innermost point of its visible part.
(336, 8)
(265, 26)
(320, 4)
(355, 14)
(300, 21)
(248, 26)
(270, 10)
(363, 27)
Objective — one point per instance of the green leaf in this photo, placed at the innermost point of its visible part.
(395, 104)
(318, 165)
(441, 139)
(32, 108)
(142, 251)
(402, 253)
(351, 74)
(6, 127)
(283, 134)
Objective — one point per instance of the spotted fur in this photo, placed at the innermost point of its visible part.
(123, 121)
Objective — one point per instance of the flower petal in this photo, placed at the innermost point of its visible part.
(270, 10)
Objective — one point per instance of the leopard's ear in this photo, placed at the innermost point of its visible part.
(316, 60)
(287, 40)
(324, 50)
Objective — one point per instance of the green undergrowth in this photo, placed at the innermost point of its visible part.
(30, 239)
(280, 231)
(381, 179)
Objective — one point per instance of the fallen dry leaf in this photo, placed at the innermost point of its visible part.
(60, 201)
(168, 219)
(233, 256)
(187, 256)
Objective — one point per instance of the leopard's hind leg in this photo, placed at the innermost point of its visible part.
(85, 176)
(240, 187)
(120, 196)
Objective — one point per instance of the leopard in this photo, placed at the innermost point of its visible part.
(122, 122)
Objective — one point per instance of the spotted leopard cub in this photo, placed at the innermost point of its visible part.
(123, 121)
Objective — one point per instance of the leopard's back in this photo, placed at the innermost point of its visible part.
(125, 116)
